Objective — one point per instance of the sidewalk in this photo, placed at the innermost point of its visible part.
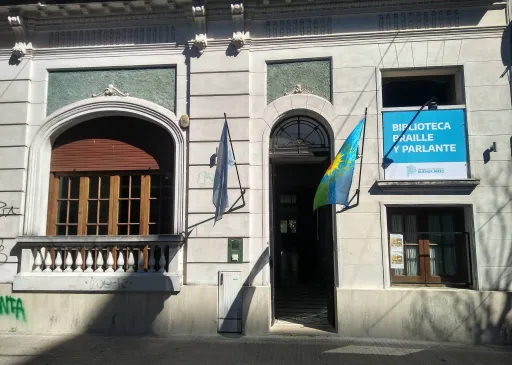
(212, 350)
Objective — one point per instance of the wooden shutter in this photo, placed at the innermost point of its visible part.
(113, 144)
(100, 155)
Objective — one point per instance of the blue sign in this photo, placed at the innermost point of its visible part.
(430, 145)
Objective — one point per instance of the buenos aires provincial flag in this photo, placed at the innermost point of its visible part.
(334, 187)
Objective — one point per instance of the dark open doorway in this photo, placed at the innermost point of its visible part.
(302, 240)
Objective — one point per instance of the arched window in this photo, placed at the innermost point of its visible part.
(299, 135)
(111, 176)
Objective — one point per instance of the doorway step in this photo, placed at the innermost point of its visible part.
(301, 305)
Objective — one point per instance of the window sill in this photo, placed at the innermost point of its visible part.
(97, 282)
(425, 187)
(57, 241)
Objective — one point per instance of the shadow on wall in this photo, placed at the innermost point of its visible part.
(486, 315)
(123, 314)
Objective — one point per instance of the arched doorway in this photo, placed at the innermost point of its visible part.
(302, 240)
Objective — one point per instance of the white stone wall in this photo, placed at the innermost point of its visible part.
(15, 115)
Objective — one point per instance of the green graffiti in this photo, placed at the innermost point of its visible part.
(10, 306)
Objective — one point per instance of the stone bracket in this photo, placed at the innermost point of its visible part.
(199, 14)
(239, 34)
(20, 47)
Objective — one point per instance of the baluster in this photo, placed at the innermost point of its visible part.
(162, 262)
(120, 261)
(152, 260)
(58, 261)
(131, 261)
(38, 261)
(140, 263)
(110, 261)
(78, 261)
(89, 261)
(99, 261)
(48, 261)
(69, 261)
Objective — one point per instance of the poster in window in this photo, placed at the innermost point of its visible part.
(397, 250)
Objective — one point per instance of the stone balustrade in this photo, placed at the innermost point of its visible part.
(99, 263)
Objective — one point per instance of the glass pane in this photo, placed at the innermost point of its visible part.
(135, 211)
(92, 211)
(93, 187)
(105, 187)
(103, 230)
(167, 180)
(166, 191)
(284, 226)
(135, 187)
(61, 230)
(72, 230)
(167, 186)
(293, 226)
(103, 211)
(61, 211)
(91, 230)
(154, 206)
(63, 187)
(73, 212)
(123, 211)
(134, 229)
(155, 186)
(165, 214)
(166, 228)
(122, 230)
(285, 199)
(412, 260)
(153, 229)
(436, 261)
(125, 187)
(75, 187)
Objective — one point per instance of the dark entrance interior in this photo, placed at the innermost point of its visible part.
(302, 240)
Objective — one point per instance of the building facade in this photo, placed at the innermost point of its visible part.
(111, 115)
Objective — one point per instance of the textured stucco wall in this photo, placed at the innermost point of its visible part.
(154, 84)
(314, 76)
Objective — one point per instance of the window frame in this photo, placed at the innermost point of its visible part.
(425, 277)
(409, 72)
(114, 199)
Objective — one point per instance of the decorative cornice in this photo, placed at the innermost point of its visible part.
(110, 90)
(84, 9)
(342, 39)
(271, 10)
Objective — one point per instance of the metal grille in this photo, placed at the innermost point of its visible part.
(300, 135)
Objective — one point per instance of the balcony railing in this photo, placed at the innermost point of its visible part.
(100, 263)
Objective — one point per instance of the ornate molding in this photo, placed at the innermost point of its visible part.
(200, 41)
(298, 27)
(298, 89)
(114, 36)
(238, 40)
(239, 35)
(84, 9)
(20, 46)
(110, 90)
(42, 10)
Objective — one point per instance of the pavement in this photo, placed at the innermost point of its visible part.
(226, 350)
